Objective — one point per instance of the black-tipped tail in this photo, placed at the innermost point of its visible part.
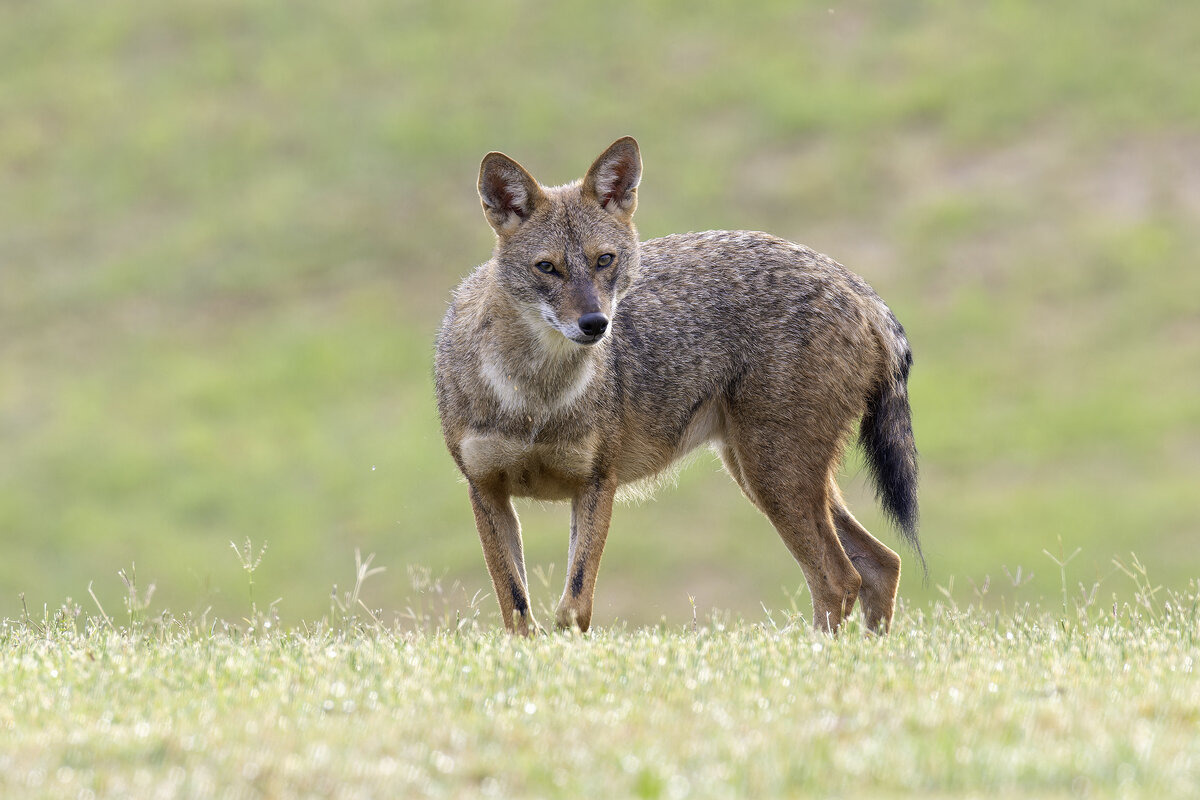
(886, 436)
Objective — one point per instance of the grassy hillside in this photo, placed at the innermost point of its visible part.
(228, 230)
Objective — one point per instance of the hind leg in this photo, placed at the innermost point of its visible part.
(782, 486)
(877, 563)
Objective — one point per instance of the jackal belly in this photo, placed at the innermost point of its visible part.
(657, 438)
(552, 470)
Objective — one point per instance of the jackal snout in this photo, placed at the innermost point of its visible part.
(584, 323)
(593, 324)
(583, 310)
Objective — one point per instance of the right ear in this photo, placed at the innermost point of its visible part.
(614, 177)
(509, 193)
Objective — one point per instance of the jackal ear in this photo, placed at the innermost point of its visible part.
(613, 179)
(509, 193)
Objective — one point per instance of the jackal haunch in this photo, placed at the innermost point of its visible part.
(578, 360)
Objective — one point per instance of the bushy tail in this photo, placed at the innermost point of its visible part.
(886, 437)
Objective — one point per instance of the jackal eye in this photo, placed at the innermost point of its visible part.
(604, 260)
(545, 266)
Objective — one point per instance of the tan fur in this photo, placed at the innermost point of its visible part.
(761, 347)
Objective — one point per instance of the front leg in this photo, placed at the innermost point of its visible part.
(500, 534)
(591, 511)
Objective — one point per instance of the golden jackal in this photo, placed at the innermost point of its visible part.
(577, 360)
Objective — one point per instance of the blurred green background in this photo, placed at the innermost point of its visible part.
(228, 232)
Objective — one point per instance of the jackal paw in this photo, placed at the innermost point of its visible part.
(569, 617)
(526, 625)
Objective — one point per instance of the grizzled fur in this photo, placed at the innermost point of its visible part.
(762, 348)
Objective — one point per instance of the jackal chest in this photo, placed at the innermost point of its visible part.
(545, 470)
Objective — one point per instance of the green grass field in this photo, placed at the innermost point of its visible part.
(227, 235)
(1087, 700)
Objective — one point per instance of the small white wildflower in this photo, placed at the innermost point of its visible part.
(442, 762)
(678, 786)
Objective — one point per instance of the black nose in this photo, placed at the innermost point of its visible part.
(593, 324)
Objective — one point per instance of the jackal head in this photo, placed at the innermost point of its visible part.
(565, 255)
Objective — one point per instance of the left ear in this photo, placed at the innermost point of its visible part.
(613, 179)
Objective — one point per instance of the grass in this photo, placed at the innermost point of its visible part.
(1087, 699)
(229, 229)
